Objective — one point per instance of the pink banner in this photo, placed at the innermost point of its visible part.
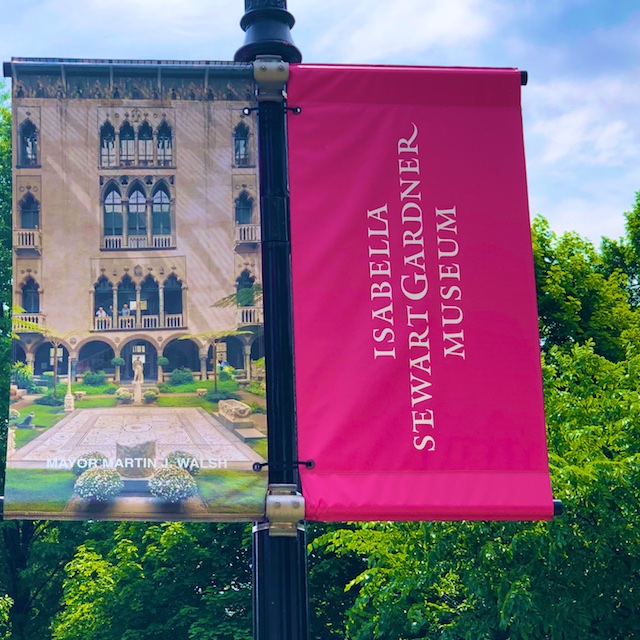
(419, 393)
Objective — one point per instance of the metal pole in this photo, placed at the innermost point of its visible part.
(279, 562)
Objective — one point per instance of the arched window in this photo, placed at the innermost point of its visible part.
(126, 295)
(28, 151)
(30, 296)
(172, 295)
(149, 294)
(137, 219)
(165, 145)
(103, 294)
(145, 144)
(112, 213)
(29, 212)
(241, 145)
(127, 145)
(107, 145)
(161, 212)
(244, 209)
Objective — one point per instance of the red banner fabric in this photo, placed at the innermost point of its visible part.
(418, 382)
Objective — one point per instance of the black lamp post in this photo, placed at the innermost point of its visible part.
(279, 562)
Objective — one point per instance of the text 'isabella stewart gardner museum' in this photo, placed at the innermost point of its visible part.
(135, 215)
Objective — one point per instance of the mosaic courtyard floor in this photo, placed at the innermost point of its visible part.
(191, 430)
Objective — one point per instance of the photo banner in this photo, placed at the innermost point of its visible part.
(138, 379)
(418, 379)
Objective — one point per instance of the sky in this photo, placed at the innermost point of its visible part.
(581, 106)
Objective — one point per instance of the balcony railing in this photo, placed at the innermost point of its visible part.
(171, 321)
(24, 322)
(249, 315)
(138, 242)
(27, 239)
(247, 233)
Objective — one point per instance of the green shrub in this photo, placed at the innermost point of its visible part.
(172, 484)
(124, 395)
(256, 407)
(49, 400)
(216, 396)
(256, 388)
(47, 377)
(182, 375)
(117, 361)
(94, 378)
(162, 361)
(226, 374)
(110, 390)
(21, 375)
(88, 461)
(184, 460)
(99, 483)
(150, 396)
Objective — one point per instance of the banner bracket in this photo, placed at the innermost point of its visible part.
(284, 510)
(259, 466)
(271, 74)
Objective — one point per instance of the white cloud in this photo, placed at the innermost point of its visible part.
(585, 122)
(389, 31)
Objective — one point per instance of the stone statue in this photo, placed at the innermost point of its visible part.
(138, 371)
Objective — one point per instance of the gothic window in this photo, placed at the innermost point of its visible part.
(127, 145)
(28, 151)
(244, 209)
(126, 294)
(149, 293)
(30, 296)
(145, 144)
(172, 295)
(107, 145)
(161, 212)
(245, 289)
(103, 293)
(137, 218)
(29, 212)
(165, 145)
(241, 145)
(112, 212)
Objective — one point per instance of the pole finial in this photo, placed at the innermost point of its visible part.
(267, 25)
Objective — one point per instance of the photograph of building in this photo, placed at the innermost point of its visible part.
(136, 219)
(136, 257)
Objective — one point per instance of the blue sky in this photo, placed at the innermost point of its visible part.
(581, 106)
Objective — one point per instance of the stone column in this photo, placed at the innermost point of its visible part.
(138, 313)
(92, 303)
(155, 146)
(31, 359)
(148, 206)
(114, 322)
(247, 361)
(203, 363)
(74, 366)
(117, 149)
(125, 223)
(161, 320)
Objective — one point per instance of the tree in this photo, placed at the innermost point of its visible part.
(212, 338)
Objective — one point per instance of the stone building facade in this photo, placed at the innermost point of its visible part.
(135, 213)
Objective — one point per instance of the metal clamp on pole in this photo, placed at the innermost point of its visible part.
(271, 74)
(285, 508)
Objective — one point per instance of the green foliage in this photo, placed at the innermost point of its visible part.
(257, 388)
(124, 395)
(181, 375)
(184, 460)
(256, 407)
(172, 484)
(162, 361)
(21, 375)
(5, 624)
(47, 378)
(84, 462)
(150, 396)
(119, 362)
(216, 396)
(49, 400)
(99, 484)
(95, 378)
